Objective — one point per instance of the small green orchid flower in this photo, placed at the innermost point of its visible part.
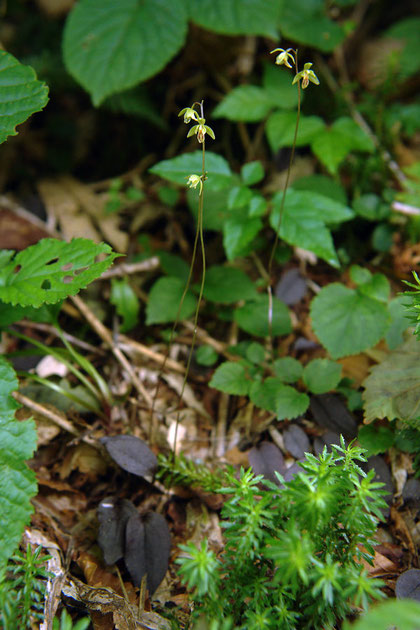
(283, 58)
(306, 75)
(200, 131)
(189, 114)
(193, 181)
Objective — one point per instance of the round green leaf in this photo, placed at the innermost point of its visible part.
(248, 103)
(375, 439)
(321, 375)
(21, 94)
(227, 285)
(283, 400)
(253, 317)
(280, 129)
(252, 173)
(230, 378)
(237, 17)
(164, 299)
(206, 355)
(178, 169)
(277, 83)
(346, 321)
(288, 370)
(110, 46)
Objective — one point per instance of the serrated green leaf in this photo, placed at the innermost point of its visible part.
(126, 303)
(239, 196)
(360, 275)
(392, 389)
(174, 265)
(277, 83)
(17, 444)
(287, 369)
(206, 355)
(178, 169)
(248, 103)
(252, 173)
(375, 439)
(346, 321)
(304, 221)
(280, 129)
(237, 17)
(255, 353)
(51, 270)
(257, 206)
(322, 375)
(285, 401)
(331, 145)
(305, 22)
(215, 210)
(21, 94)
(228, 285)
(253, 317)
(112, 46)
(399, 322)
(239, 231)
(231, 378)
(322, 185)
(377, 287)
(164, 299)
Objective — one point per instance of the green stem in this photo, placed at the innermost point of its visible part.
(278, 228)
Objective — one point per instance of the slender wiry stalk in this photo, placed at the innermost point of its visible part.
(279, 223)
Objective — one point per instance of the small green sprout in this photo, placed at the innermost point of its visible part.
(283, 58)
(306, 75)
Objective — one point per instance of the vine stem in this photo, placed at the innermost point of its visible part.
(281, 213)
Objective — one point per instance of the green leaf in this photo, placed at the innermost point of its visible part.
(228, 285)
(252, 173)
(280, 129)
(399, 321)
(215, 207)
(403, 614)
(21, 94)
(51, 270)
(239, 231)
(304, 218)
(392, 389)
(370, 207)
(164, 300)
(331, 145)
(236, 17)
(321, 375)
(206, 355)
(287, 369)
(377, 287)
(174, 265)
(247, 103)
(179, 168)
(231, 378)
(111, 46)
(323, 185)
(346, 321)
(283, 400)
(239, 196)
(255, 353)
(375, 439)
(360, 275)
(305, 22)
(257, 206)
(277, 83)
(126, 303)
(17, 444)
(253, 317)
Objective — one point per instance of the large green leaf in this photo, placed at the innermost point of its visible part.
(304, 221)
(331, 145)
(280, 129)
(179, 168)
(304, 21)
(283, 400)
(237, 17)
(227, 285)
(403, 614)
(248, 103)
(392, 389)
(111, 46)
(18, 484)
(21, 94)
(346, 321)
(253, 317)
(51, 270)
(239, 231)
(164, 300)
(277, 83)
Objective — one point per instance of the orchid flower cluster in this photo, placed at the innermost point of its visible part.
(306, 75)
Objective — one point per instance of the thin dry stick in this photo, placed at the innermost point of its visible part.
(125, 269)
(106, 336)
(46, 413)
(130, 345)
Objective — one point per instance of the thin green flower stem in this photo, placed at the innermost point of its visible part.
(278, 228)
(153, 420)
(203, 279)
